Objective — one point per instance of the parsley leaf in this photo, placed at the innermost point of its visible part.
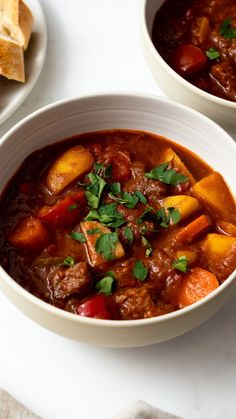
(148, 245)
(102, 170)
(128, 235)
(127, 199)
(147, 214)
(212, 54)
(98, 167)
(95, 230)
(108, 215)
(115, 188)
(94, 190)
(165, 175)
(79, 237)
(130, 201)
(72, 207)
(141, 197)
(168, 217)
(140, 271)
(226, 30)
(105, 285)
(181, 264)
(106, 244)
(68, 261)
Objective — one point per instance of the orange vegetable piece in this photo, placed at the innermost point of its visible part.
(72, 164)
(214, 192)
(197, 284)
(190, 255)
(220, 252)
(226, 228)
(190, 232)
(29, 234)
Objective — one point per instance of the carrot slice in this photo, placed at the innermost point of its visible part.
(194, 229)
(197, 284)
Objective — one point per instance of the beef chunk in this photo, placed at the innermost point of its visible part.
(224, 75)
(67, 281)
(134, 303)
(152, 189)
(131, 216)
(159, 268)
(123, 272)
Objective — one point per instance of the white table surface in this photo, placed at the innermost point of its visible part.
(94, 45)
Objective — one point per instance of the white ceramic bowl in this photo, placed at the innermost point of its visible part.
(175, 86)
(64, 119)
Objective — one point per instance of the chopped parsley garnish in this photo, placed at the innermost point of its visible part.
(165, 175)
(79, 237)
(107, 215)
(105, 285)
(68, 261)
(181, 264)
(115, 188)
(92, 231)
(98, 167)
(94, 190)
(148, 245)
(168, 217)
(129, 235)
(146, 215)
(72, 207)
(102, 170)
(141, 197)
(226, 30)
(212, 54)
(127, 199)
(140, 271)
(106, 245)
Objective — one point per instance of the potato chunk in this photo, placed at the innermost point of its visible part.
(176, 163)
(71, 165)
(97, 259)
(185, 204)
(213, 191)
(29, 234)
(220, 252)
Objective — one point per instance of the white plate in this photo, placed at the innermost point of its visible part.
(13, 93)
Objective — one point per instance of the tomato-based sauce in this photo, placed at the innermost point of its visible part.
(117, 224)
(197, 38)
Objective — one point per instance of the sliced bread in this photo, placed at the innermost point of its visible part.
(16, 21)
(11, 59)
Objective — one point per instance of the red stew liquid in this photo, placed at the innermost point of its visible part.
(117, 225)
(197, 38)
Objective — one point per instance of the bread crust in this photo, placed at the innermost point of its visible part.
(16, 21)
(11, 59)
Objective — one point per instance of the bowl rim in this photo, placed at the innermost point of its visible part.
(88, 321)
(195, 90)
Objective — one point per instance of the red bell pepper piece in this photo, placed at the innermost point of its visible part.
(94, 307)
(66, 212)
(187, 60)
